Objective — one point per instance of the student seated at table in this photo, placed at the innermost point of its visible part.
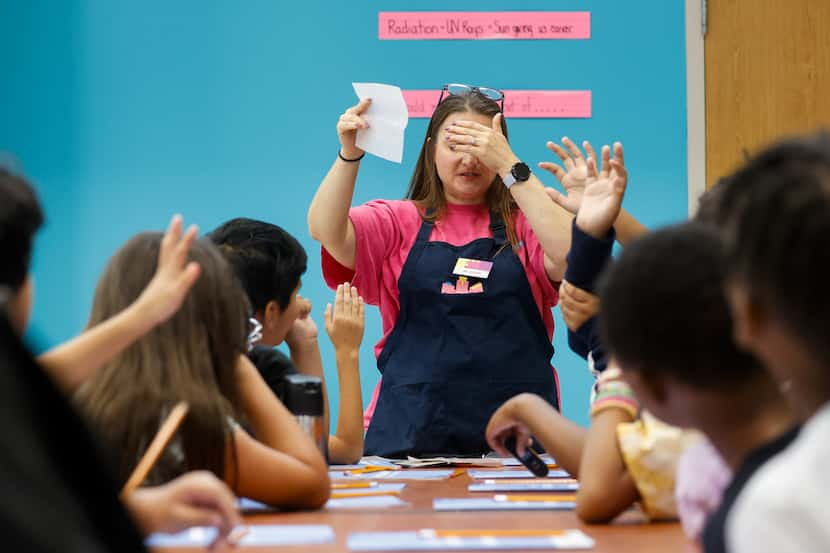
(59, 496)
(612, 459)
(626, 455)
(666, 321)
(778, 212)
(270, 263)
(197, 356)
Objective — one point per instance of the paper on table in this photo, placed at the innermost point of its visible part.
(478, 474)
(368, 502)
(493, 504)
(251, 506)
(428, 540)
(511, 486)
(387, 116)
(258, 534)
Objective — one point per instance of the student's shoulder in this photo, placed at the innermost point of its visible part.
(783, 498)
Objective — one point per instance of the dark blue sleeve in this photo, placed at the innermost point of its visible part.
(586, 259)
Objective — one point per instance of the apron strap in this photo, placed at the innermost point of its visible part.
(498, 229)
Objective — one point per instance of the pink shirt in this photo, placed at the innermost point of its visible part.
(385, 231)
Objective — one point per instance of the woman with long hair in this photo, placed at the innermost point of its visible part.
(464, 270)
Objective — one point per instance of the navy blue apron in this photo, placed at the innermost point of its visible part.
(453, 359)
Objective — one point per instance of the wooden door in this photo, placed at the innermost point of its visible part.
(767, 75)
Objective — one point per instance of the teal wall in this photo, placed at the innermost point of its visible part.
(125, 112)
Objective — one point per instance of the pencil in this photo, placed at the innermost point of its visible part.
(342, 495)
(156, 448)
(539, 498)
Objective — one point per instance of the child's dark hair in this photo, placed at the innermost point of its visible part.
(20, 218)
(664, 310)
(778, 238)
(268, 260)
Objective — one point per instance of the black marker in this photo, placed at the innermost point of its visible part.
(530, 459)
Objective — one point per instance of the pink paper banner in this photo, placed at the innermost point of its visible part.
(483, 25)
(517, 103)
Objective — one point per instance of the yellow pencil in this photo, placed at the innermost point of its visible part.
(353, 485)
(538, 498)
(156, 448)
(341, 495)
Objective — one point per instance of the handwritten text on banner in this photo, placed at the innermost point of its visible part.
(483, 25)
(517, 103)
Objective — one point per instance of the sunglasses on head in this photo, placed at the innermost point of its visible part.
(456, 89)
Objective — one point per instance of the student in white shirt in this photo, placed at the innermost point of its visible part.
(778, 212)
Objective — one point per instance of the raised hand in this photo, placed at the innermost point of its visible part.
(488, 144)
(602, 197)
(349, 123)
(345, 322)
(573, 177)
(174, 276)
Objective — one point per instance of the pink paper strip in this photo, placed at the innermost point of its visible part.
(517, 103)
(483, 25)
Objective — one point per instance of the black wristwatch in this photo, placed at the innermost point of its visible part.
(520, 172)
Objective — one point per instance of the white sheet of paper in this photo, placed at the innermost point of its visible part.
(251, 506)
(507, 486)
(479, 474)
(366, 502)
(423, 541)
(258, 534)
(492, 504)
(387, 116)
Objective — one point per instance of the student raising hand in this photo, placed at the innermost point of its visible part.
(71, 363)
(581, 172)
(602, 196)
(344, 325)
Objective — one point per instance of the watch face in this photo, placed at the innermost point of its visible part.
(521, 171)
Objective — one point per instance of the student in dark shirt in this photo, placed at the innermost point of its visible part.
(667, 324)
(270, 263)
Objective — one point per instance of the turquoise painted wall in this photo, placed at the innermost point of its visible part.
(125, 112)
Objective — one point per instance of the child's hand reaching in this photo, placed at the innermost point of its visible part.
(604, 191)
(507, 422)
(345, 322)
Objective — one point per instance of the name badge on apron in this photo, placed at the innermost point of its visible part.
(476, 268)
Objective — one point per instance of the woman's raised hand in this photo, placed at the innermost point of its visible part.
(488, 144)
(349, 123)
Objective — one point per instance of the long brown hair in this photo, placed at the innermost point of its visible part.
(426, 188)
(191, 357)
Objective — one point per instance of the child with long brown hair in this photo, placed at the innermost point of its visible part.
(197, 356)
